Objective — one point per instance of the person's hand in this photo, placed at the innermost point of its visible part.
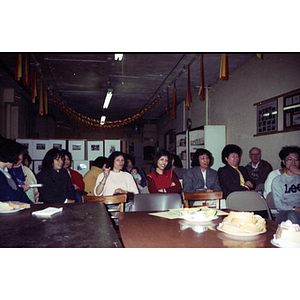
(76, 187)
(293, 169)
(25, 187)
(249, 184)
(119, 191)
(106, 172)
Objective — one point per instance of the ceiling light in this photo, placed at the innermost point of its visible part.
(118, 56)
(107, 98)
(102, 120)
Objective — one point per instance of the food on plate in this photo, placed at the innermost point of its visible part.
(196, 213)
(288, 231)
(17, 204)
(5, 206)
(243, 222)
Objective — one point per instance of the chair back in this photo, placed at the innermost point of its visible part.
(260, 188)
(204, 196)
(109, 200)
(270, 201)
(271, 204)
(157, 202)
(248, 201)
(145, 190)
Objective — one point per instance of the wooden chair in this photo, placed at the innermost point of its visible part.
(205, 196)
(108, 200)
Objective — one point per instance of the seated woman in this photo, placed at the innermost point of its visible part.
(76, 177)
(114, 180)
(163, 179)
(9, 185)
(233, 177)
(57, 186)
(201, 178)
(177, 166)
(90, 177)
(130, 163)
(24, 175)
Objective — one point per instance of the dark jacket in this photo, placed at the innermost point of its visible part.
(264, 168)
(229, 179)
(193, 180)
(8, 194)
(57, 186)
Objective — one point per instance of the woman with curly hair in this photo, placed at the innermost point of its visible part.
(233, 177)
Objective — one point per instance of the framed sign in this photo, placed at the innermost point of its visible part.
(95, 149)
(267, 116)
(77, 149)
(291, 108)
(111, 146)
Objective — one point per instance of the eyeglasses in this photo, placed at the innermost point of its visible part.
(290, 159)
(255, 154)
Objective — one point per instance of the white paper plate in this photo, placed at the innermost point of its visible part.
(214, 217)
(240, 233)
(11, 211)
(284, 244)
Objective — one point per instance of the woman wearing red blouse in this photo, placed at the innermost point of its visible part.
(163, 179)
(76, 177)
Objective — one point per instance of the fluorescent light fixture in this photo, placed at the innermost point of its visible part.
(272, 113)
(107, 98)
(291, 107)
(102, 120)
(118, 56)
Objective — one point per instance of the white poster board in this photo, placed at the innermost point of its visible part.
(37, 165)
(81, 166)
(40, 148)
(27, 143)
(60, 144)
(94, 149)
(77, 149)
(111, 146)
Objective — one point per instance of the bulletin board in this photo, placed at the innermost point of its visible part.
(94, 149)
(291, 108)
(267, 116)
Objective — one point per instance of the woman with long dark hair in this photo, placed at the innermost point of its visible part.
(57, 186)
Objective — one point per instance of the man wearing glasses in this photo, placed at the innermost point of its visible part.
(286, 187)
(258, 169)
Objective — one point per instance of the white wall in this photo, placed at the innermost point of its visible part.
(231, 103)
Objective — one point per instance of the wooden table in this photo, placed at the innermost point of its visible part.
(78, 225)
(141, 230)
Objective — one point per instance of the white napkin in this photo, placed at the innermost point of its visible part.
(47, 212)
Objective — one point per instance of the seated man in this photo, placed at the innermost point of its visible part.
(258, 169)
(286, 187)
